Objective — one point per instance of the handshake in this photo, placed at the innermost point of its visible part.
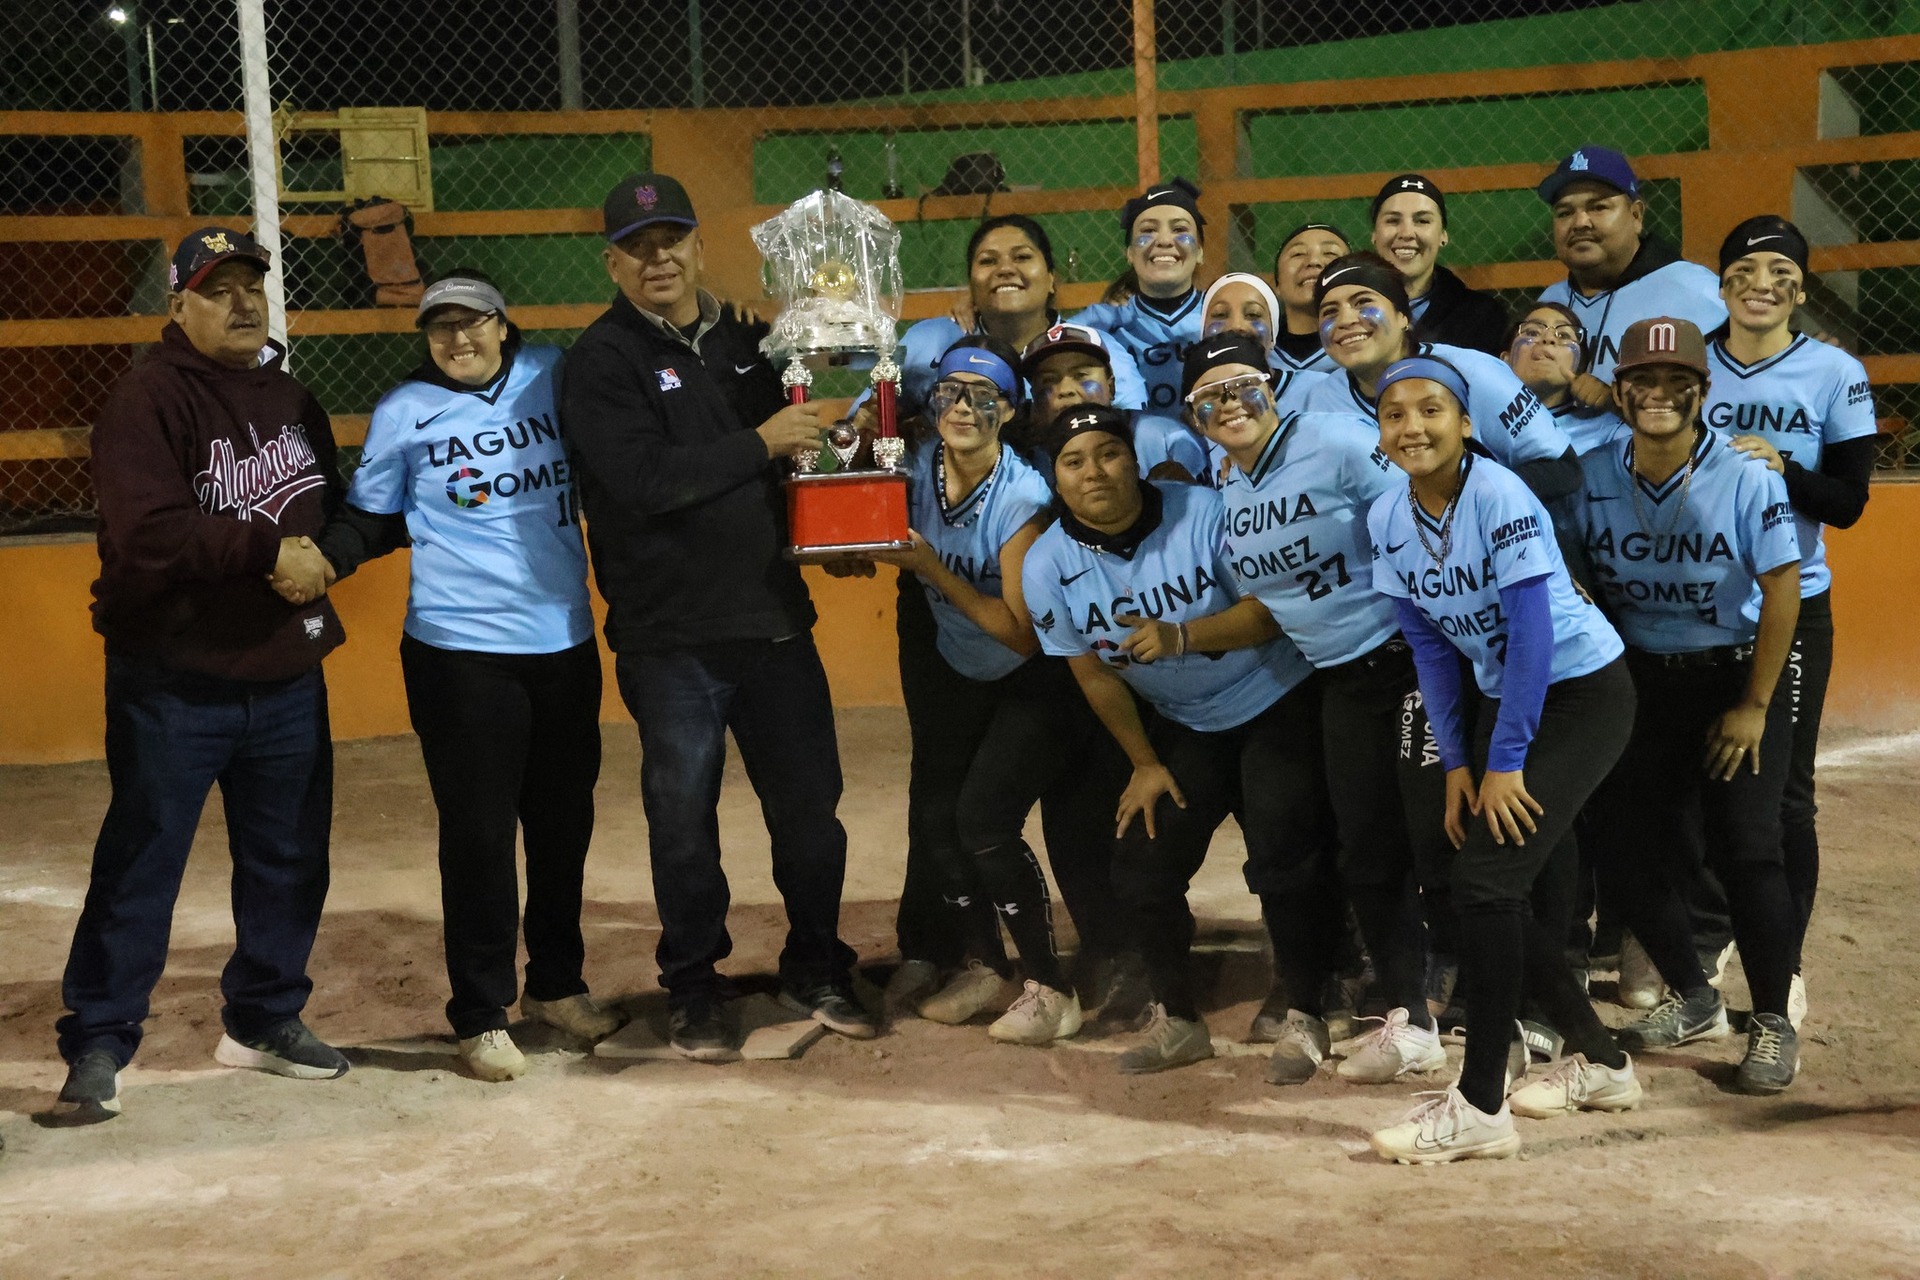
(301, 574)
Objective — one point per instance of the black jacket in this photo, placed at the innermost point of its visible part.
(1462, 317)
(685, 514)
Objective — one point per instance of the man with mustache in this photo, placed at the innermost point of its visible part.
(213, 468)
(1617, 273)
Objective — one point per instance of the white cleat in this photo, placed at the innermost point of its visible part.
(1797, 1001)
(1578, 1085)
(973, 990)
(1640, 983)
(493, 1056)
(1394, 1049)
(1040, 1015)
(1447, 1127)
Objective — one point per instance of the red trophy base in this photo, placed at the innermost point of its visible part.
(846, 513)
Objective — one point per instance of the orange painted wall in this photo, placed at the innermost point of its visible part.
(51, 664)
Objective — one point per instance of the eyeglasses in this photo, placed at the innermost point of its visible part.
(985, 400)
(1533, 331)
(444, 330)
(1250, 389)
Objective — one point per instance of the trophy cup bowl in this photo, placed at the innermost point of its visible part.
(834, 263)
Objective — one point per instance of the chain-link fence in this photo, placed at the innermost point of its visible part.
(499, 127)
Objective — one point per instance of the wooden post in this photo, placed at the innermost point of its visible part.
(1146, 93)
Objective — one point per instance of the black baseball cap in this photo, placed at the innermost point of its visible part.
(642, 199)
(1419, 184)
(207, 248)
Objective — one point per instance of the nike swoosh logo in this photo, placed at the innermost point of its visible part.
(978, 360)
(1215, 355)
(743, 368)
(1760, 240)
(1155, 195)
(1599, 497)
(1344, 271)
(1393, 548)
(1067, 582)
(424, 421)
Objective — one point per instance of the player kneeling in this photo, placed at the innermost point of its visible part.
(1468, 554)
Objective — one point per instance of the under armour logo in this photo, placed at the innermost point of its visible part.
(1082, 421)
(1413, 184)
(1578, 162)
(1662, 339)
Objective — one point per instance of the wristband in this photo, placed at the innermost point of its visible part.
(1181, 652)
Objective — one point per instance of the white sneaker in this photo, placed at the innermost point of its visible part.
(1715, 964)
(1640, 983)
(1577, 1085)
(973, 990)
(1448, 1127)
(1040, 1016)
(578, 1016)
(1797, 1001)
(493, 1056)
(1394, 1049)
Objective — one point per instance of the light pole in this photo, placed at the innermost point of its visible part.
(122, 17)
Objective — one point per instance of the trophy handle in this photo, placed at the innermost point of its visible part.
(888, 448)
(797, 379)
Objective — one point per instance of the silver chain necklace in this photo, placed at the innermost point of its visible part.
(1651, 527)
(1440, 553)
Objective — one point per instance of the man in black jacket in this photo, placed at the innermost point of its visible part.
(709, 623)
(1409, 230)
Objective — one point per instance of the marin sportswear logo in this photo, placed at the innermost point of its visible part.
(422, 423)
(1066, 581)
(279, 470)
(1860, 392)
(1578, 163)
(1045, 621)
(669, 380)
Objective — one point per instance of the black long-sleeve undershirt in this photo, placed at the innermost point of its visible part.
(353, 537)
(1835, 494)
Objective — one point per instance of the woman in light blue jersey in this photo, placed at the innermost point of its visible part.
(465, 458)
(1297, 494)
(1165, 234)
(1000, 727)
(1366, 323)
(1806, 410)
(1468, 554)
(1695, 547)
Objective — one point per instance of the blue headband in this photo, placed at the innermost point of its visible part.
(979, 360)
(1432, 368)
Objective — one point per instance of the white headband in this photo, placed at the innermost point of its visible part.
(1260, 286)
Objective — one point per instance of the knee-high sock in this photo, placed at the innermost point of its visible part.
(1493, 958)
(1013, 879)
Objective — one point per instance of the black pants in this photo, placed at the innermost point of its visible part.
(772, 696)
(1808, 667)
(1423, 790)
(1269, 772)
(512, 745)
(1513, 898)
(1663, 812)
(1388, 801)
(171, 735)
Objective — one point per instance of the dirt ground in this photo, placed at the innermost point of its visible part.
(931, 1151)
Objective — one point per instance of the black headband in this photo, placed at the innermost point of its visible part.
(1768, 233)
(1178, 192)
(1419, 184)
(1369, 270)
(1230, 347)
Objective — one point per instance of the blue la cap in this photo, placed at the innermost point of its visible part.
(1432, 368)
(1591, 164)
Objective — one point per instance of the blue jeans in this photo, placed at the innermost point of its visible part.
(170, 736)
(773, 695)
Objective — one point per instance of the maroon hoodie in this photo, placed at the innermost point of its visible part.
(200, 470)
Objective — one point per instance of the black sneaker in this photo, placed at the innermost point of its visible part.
(832, 1006)
(1773, 1055)
(1271, 1021)
(287, 1050)
(92, 1091)
(1675, 1022)
(1126, 996)
(699, 1032)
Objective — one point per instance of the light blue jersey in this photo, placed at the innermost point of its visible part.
(1586, 427)
(1500, 537)
(1683, 290)
(482, 479)
(967, 537)
(1798, 401)
(1508, 420)
(1157, 342)
(924, 342)
(1679, 561)
(1297, 534)
(1158, 439)
(1314, 359)
(1177, 573)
